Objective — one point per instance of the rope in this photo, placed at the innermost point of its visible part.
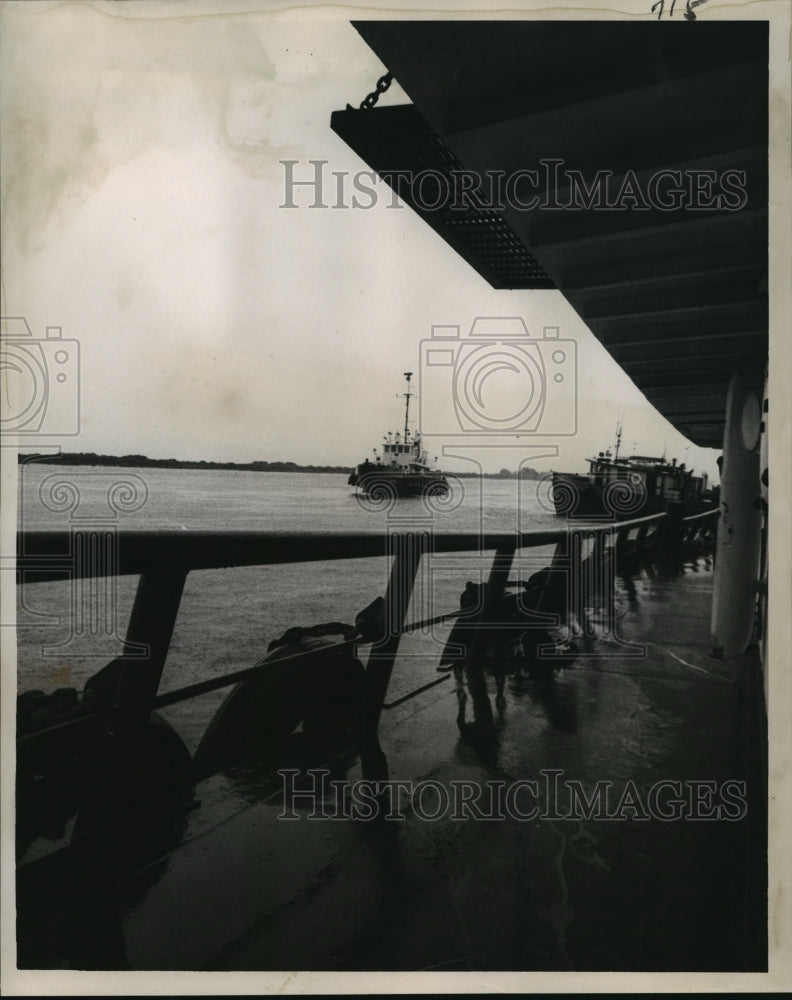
(299, 632)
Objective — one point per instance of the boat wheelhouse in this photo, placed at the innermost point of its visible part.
(402, 468)
(640, 484)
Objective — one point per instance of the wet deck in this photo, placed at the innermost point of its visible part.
(247, 891)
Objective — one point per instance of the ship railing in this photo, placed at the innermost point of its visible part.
(586, 554)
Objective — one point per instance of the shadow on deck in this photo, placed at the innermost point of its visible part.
(246, 890)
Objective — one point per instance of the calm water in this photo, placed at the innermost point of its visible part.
(53, 496)
(228, 617)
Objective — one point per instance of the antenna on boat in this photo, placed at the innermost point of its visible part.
(407, 395)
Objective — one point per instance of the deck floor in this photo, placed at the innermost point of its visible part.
(247, 891)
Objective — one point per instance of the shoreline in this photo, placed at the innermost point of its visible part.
(143, 462)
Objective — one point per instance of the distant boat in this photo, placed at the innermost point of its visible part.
(630, 487)
(402, 470)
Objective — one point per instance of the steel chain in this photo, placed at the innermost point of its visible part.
(371, 99)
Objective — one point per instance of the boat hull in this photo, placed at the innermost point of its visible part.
(575, 495)
(381, 484)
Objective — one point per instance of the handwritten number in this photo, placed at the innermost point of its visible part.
(659, 7)
(689, 15)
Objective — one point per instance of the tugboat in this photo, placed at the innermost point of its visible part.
(630, 487)
(402, 470)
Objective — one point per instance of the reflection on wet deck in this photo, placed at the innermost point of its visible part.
(244, 890)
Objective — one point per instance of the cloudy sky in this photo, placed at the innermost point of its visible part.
(142, 212)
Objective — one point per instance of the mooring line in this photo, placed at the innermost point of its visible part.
(701, 670)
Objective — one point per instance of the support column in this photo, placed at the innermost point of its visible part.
(739, 530)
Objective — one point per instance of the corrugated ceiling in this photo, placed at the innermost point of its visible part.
(677, 295)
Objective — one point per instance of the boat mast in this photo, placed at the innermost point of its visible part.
(618, 440)
(408, 376)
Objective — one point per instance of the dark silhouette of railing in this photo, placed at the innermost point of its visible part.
(587, 554)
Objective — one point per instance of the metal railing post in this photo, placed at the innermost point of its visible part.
(577, 585)
(151, 625)
(602, 576)
(407, 549)
(621, 552)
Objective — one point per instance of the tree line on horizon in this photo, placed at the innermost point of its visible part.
(143, 461)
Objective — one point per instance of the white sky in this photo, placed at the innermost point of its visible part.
(141, 212)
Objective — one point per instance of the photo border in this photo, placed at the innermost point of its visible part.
(779, 681)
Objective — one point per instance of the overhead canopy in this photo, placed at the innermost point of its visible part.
(546, 154)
